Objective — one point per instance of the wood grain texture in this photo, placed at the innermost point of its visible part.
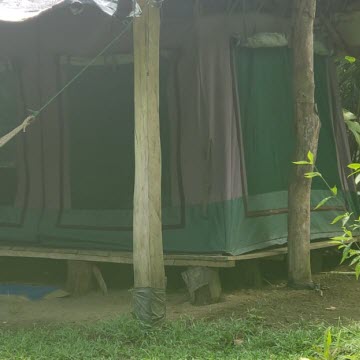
(122, 257)
(79, 277)
(307, 127)
(100, 280)
(147, 245)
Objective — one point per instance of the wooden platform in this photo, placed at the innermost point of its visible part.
(119, 257)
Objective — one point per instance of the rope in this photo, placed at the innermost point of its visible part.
(113, 41)
(5, 139)
(34, 114)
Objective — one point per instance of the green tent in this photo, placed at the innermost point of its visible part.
(226, 114)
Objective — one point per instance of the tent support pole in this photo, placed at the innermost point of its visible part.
(149, 273)
(79, 277)
(307, 127)
(203, 284)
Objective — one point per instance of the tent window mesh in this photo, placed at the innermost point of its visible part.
(100, 123)
(264, 79)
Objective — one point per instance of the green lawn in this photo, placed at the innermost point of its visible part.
(182, 339)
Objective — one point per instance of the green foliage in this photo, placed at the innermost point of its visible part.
(349, 81)
(346, 242)
(310, 156)
(334, 190)
(313, 174)
(353, 125)
(348, 69)
(225, 338)
(340, 217)
(323, 202)
(309, 161)
(301, 162)
(330, 350)
(350, 59)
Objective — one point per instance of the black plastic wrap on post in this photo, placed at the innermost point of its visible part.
(149, 305)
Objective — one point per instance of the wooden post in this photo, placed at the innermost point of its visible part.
(79, 277)
(307, 127)
(149, 274)
(203, 284)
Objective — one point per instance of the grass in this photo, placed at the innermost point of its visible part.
(227, 338)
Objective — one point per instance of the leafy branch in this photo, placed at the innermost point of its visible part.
(346, 241)
(317, 173)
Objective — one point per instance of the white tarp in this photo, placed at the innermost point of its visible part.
(20, 10)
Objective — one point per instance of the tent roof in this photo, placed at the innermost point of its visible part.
(345, 20)
(21, 10)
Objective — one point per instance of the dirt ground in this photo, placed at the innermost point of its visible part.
(275, 304)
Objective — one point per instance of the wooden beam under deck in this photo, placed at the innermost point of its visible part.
(120, 257)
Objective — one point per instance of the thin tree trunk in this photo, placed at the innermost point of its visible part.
(307, 127)
(149, 273)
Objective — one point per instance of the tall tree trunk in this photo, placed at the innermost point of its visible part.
(307, 127)
(149, 273)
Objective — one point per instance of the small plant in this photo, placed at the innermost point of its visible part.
(329, 350)
(346, 241)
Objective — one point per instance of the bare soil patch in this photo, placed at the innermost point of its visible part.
(275, 304)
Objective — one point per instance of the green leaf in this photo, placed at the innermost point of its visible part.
(338, 218)
(346, 218)
(327, 345)
(347, 232)
(346, 253)
(357, 179)
(355, 260)
(310, 156)
(336, 242)
(357, 271)
(302, 162)
(350, 59)
(338, 340)
(322, 202)
(348, 115)
(334, 190)
(340, 238)
(354, 173)
(352, 252)
(311, 175)
(354, 127)
(354, 166)
(344, 256)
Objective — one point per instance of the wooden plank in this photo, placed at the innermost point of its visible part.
(101, 253)
(198, 257)
(321, 245)
(280, 251)
(64, 254)
(122, 257)
(260, 254)
(147, 235)
(112, 256)
(224, 263)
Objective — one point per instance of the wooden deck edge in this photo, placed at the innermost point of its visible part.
(111, 256)
(281, 251)
(126, 257)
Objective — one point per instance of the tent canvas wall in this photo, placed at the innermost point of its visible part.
(226, 132)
